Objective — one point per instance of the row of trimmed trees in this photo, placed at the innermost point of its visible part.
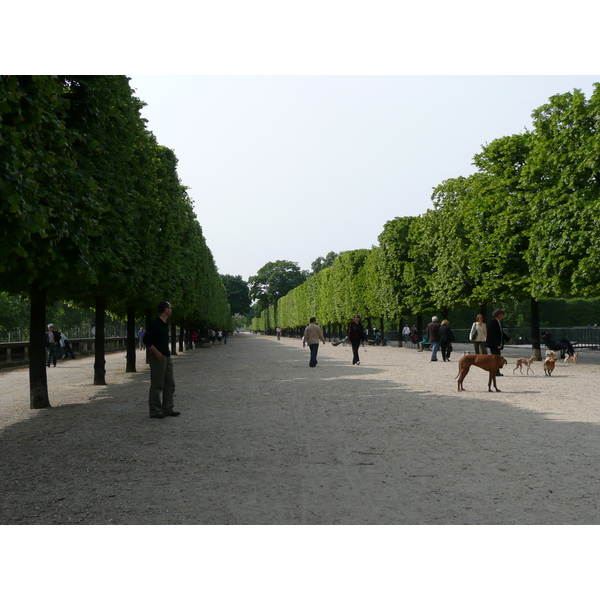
(94, 213)
(524, 226)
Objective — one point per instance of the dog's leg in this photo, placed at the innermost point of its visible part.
(461, 377)
(492, 380)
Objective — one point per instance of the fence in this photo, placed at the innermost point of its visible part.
(585, 337)
(17, 353)
(111, 330)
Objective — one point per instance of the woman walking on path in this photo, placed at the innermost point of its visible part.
(356, 336)
(478, 335)
(446, 339)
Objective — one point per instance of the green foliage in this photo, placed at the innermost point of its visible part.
(321, 262)
(273, 281)
(237, 294)
(46, 196)
(563, 173)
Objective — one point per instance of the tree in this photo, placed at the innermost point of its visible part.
(47, 200)
(563, 172)
(273, 281)
(237, 294)
(321, 263)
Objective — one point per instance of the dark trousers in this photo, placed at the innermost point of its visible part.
(355, 347)
(445, 346)
(495, 351)
(314, 348)
(51, 354)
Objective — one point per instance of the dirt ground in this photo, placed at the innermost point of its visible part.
(264, 439)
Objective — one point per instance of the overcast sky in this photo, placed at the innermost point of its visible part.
(292, 167)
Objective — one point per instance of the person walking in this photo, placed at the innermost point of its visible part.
(406, 333)
(495, 334)
(66, 346)
(162, 380)
(52, 342)
(433, 333)
(478, 335)
(312, 334)
(141, 334)
(446, 339)
(356, 336)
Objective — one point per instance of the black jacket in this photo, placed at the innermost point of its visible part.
(495, 335)
(446, 335)
(356, 331)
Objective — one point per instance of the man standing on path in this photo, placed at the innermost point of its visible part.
(161, 365)
(433, 333)
(52, 342)
(312, 334)
(495, 336)
(356, 336)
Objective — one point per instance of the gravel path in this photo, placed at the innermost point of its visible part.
(264, 439)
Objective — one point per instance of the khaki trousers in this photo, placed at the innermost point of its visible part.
(162, 382)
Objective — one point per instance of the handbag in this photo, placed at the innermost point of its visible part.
(473, 334)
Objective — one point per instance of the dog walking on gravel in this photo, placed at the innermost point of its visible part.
(488, 362)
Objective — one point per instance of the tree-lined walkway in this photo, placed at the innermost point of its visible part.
(263, 439)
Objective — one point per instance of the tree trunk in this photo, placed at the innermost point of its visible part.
(535, 329)
(173, 339)
(132, 341)
(38, 379)
(420, 326)
(482, 311)
(148, 315)
(100, 362)
(381, 331)
(400, 328)
(181, 334)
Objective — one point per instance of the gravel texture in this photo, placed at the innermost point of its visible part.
(264, 439)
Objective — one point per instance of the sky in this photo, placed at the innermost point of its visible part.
(291, 167)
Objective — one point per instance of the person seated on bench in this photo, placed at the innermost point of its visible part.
(345, 340)
(423, 345)
(378, 339)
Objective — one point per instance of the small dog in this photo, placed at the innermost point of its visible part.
(549, 365)
(550, 354)
(573, 358)
(465, 353)
(521, 362)
(488, 362)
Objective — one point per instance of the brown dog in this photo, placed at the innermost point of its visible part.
(521, 362)
(549, 365)
(574, 358)
(487, 362)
